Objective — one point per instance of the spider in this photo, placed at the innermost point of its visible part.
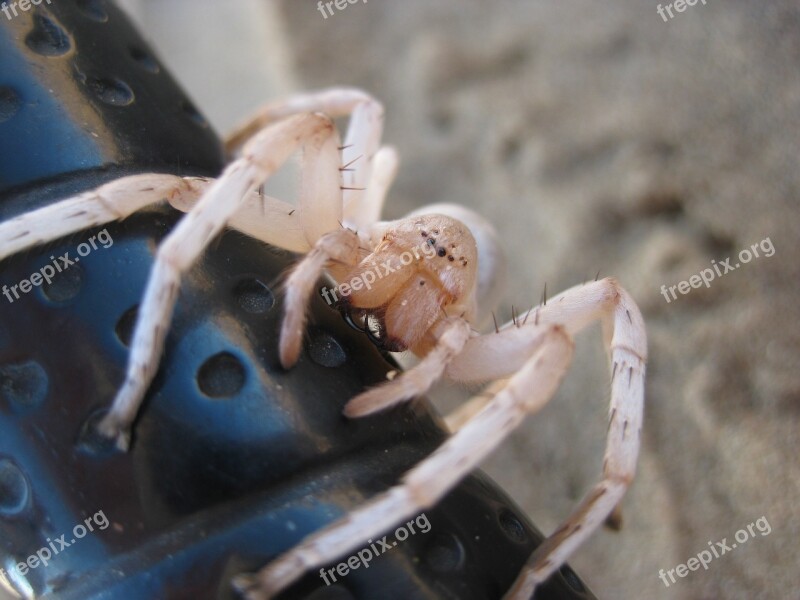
(427, 304)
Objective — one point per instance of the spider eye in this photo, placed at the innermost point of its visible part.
(441, 252)
(431, 242)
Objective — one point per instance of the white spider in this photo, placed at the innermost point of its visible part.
(426, 305)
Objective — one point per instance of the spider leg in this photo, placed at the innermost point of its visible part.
(451, 334)
(261, 217)
(461, 415)
(334, 102)
(267, 219)
(359, 152)
(488, 357)
(110, 202)
(262, 156)
(424, 485)
(364, 210)
(624, 333)
(367, 169)
(341, 246)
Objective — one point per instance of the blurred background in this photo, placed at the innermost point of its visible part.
(594, 136)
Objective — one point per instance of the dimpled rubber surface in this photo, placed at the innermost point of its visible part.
(233, 459)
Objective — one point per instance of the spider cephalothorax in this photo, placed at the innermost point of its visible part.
(422, 268)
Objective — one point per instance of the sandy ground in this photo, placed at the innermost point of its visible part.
(594, 136)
